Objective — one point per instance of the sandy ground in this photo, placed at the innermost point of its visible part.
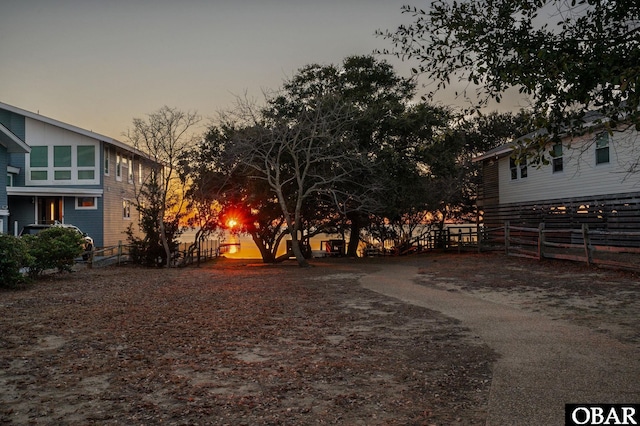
(238, 343)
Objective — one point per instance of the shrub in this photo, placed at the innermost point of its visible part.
(13, 256)
(54, 248)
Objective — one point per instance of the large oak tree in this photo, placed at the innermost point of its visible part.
(389, 129)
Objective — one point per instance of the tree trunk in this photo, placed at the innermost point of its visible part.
(297, 249)
(354, 238)
(165, 243)
(267, 255)
(292, 225)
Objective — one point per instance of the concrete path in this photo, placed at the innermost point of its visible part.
(543, 363)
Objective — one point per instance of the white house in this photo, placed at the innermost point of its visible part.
(592, 179)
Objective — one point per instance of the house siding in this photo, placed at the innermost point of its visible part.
(89, 221)
(44, 134)
(4, 201)
(581, 177)
(490, 188)
(13, 122)
(17, 160)
(115, 191)
(23, 212)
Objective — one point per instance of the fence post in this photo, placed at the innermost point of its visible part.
(541, 241)
(506, 237)
(587, 243)
(459, 240)
(119, 251)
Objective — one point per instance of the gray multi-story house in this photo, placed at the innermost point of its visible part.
(52, 171)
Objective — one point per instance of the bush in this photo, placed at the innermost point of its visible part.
(54, 248)
(13, 256)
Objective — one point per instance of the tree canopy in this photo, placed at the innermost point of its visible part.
(567, 56)
(389, 129)
(336, 147)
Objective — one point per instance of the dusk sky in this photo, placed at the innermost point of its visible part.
(98, 64)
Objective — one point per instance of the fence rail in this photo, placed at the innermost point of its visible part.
(194, 253)
(185, 254)
(111, 255)
(593, 247)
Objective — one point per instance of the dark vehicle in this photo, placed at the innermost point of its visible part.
(35, 228)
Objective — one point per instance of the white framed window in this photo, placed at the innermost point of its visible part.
(107, 157)
(86, 203)
(517, 170)
(602, 148)
(118, 166)
(72, 164)
(126, 209)
(86, 161)
(130, 170)
(557, 162)
(39, 163)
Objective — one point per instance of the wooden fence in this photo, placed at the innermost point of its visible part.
(113, 255)
(593, 247)
(185, 254)
(194, 253)
(459, 238)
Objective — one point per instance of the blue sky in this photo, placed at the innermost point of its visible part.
(98, 64)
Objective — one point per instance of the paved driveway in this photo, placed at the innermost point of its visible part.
(543, 363)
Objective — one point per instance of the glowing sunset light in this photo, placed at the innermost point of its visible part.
(231, 223)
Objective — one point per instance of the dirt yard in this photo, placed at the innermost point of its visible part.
(240, 343)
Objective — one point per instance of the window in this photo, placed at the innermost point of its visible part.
(62, 164)
(107, 153)
(86, 155)
(86, 160)
(39, 175)
(557, 162)
(139, 172)
(118, 167)
(130, 172)
(9, 179)
(39, 156)
(62, 174)
(62, 159)
(62, 156)
(86, 203)
(86, 174)
(602, 148)
(126, 209)
(515, 167)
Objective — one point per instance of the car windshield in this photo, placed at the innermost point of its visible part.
(32, 230)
